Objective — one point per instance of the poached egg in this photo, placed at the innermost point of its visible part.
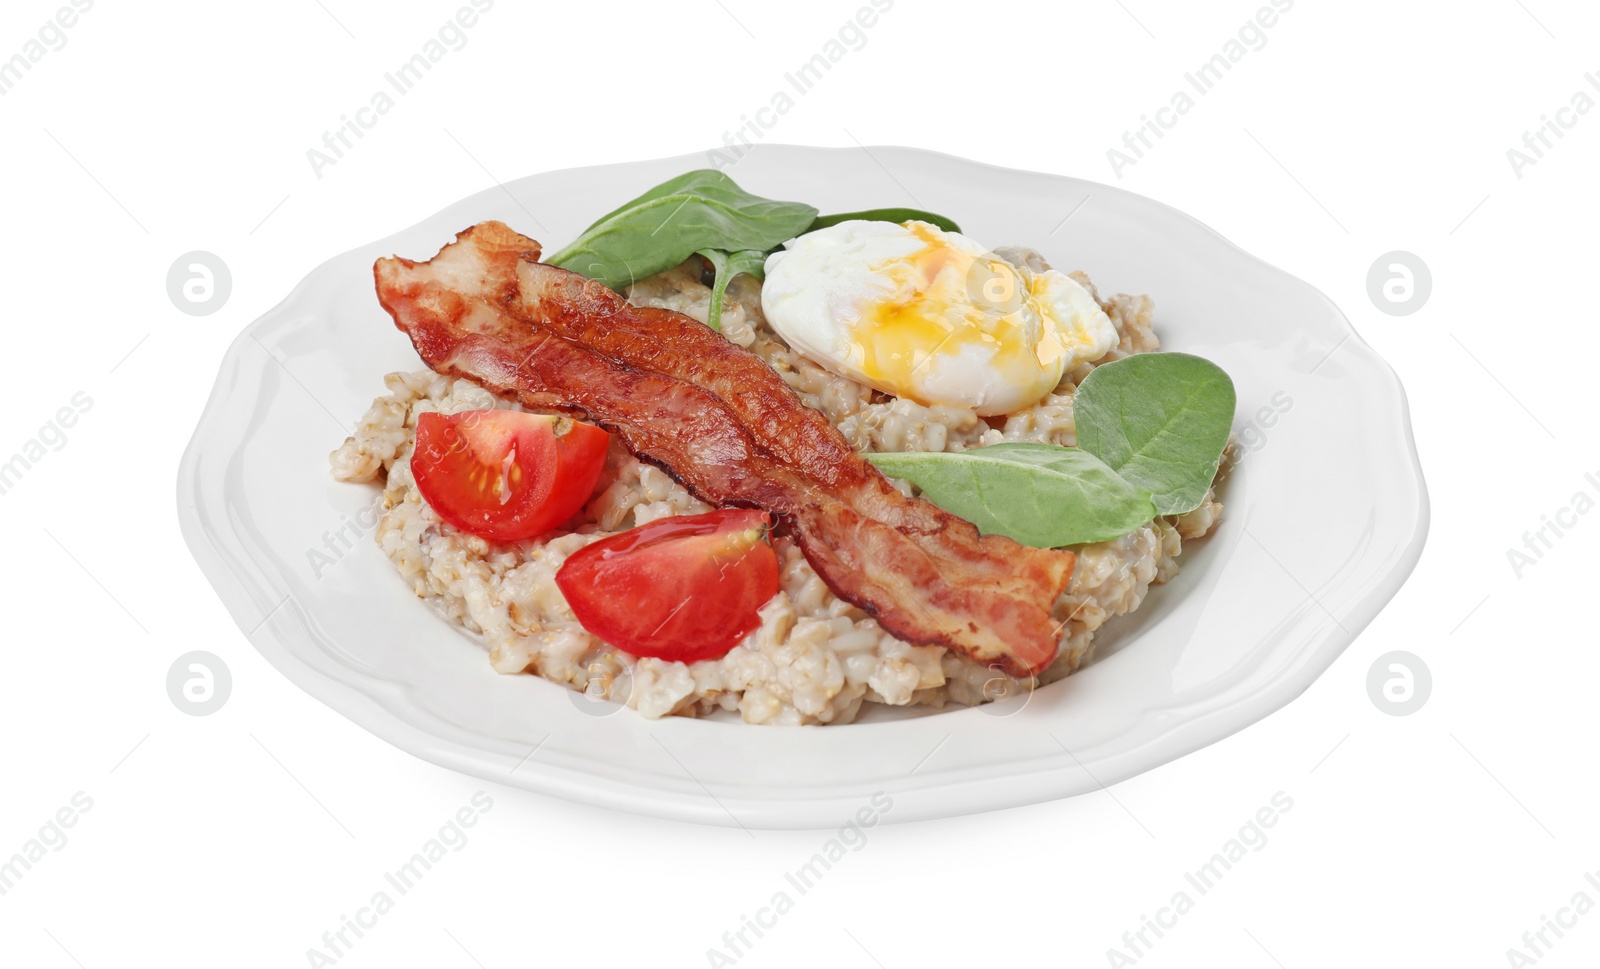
(918, 312)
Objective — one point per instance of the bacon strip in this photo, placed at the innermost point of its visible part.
(569, 305)
(723, 423)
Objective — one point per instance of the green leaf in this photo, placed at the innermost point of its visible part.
(1161, 420)
(886, 215)
(698, 210)
(1038, 494)
(752, 262)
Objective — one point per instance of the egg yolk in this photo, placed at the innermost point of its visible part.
(950, 300)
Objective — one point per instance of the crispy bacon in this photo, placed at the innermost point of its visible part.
(802, 438)
(724, 423)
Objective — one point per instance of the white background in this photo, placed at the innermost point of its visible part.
(238, 839)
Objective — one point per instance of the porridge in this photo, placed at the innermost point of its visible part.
(814, 658)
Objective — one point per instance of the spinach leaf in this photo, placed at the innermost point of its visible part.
(727, 266)
(698, 210)
(1160, 420)
(703, 212)
(886, 215)
(1038, 494)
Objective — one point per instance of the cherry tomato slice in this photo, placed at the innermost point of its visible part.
(684, 588)
(505, 475)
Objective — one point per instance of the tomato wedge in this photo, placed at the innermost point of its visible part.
(684, 588)
(505, 475)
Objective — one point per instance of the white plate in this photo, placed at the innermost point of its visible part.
(1325, 519)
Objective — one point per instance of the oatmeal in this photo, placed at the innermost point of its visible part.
(815, 658)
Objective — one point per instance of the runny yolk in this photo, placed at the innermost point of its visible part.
(896, 338)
